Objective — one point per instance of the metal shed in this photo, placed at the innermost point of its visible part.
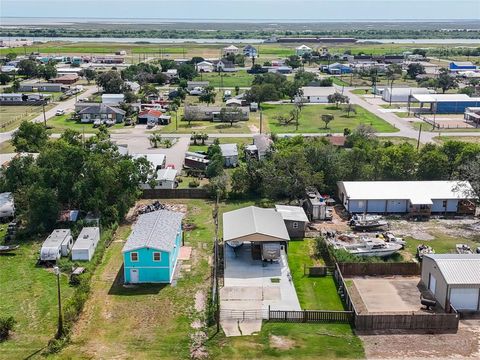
(453, 279)
(86, 243)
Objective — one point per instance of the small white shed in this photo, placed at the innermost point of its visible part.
(86, 243)
(57, 244)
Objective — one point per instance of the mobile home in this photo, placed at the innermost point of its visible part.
(86, 243)
(57, 244)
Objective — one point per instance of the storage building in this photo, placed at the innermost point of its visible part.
(445, 103)
(229, 154)
(86, 243)
(317, 94)
(453, 279)
(295, 220)
(402, 94)
(416, 198)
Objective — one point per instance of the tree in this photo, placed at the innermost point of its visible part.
(231, 115)
(470, 171)
(11, 56)
(292, 90)
(293, 61)
(432, 164)
(217, 186)
(445, 81)
(30, 137)
(43, 208)
(28, 68)
(130, 97)
(421, 52)
(327, 118)
(337, 99)
(349, 108)
(215, 166)
(262, 93)
(304, 77)
(155, 140)
(111, 82)
(4, 78)
(186, 72)
(16, 85)
(415, 69)
(89, 75)
(48, 71)
(208, 95)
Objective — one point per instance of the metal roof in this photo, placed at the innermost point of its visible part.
(405, 190)
(166, 174)
(56, 238)
(88, 235)
(156, 230)
(429, 98)
(293, 213)
(458, 269)
(157, 160)
(229, 150)
(318, 90)
(253, 220)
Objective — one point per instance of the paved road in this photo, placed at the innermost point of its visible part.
(67, 105)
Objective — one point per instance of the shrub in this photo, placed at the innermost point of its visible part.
(194, 184)
(6, 325)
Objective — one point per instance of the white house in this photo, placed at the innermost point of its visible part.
(302, 50)
(231, 50)
(420, 198)
(230, 154)
(86, 243)
(205, 66)
(317, 94)
(112, 99)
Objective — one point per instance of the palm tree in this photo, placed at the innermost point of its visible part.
(155, 140)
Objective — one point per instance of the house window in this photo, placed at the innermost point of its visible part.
(134, 256)
(157, 256)
(444, 203)
(295, 225)
(361, 204)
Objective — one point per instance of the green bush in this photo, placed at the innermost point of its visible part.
(194, 184)
(6, 325)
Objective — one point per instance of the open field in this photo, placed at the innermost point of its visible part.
(12, 116)
(311, 122)
(227, 80)
(29, 294)
(470, 139)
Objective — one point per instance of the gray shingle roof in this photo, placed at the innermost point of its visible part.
(458, 269)
(229, 150)
(156, 230)
(101, 109)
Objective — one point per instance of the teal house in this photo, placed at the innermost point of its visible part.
(151, 251)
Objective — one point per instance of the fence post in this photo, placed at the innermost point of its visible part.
(268, 312)
(304, 315)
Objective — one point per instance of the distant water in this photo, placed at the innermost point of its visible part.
(230, 41)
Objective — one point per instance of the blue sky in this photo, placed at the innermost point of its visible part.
(309, 10)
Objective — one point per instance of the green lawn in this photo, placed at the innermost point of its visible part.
(314, 293)
(29, 293)
(290, 341)
(442, 244)
(240, 127)
(6, 147)
(61, 123)
(230, 80)
(311, 122)
(471, 139)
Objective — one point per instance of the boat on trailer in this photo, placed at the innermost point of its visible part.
(463, 249)
(372, 247)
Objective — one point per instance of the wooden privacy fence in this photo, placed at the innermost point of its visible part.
(379, 269)
(311, 316)
(411, 321)
(175, 194)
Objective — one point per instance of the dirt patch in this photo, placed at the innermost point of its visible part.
(462, 345)
(253, 129)
(461, 227)
(281, 342)
(200, 301)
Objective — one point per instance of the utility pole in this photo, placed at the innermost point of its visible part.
(44, 116)
(419, 133)
(56, 270)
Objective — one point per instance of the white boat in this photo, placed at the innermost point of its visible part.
(372, 247)
(463, 249)
(389, 237)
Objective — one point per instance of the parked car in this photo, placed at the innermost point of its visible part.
(97, 123)
(109, 122)
(60, 112)
(197, 91)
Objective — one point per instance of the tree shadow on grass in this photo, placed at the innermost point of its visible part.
(118, 287)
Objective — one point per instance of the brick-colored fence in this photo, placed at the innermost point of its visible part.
(175, 194)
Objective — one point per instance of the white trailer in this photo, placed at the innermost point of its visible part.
(86, 243)
(7, 205)
(57, 244)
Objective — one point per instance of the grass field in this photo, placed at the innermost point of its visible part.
(228, 80)
(12, 116)
(29, 294)
(6, 147)
(311, 122)
(471, 139)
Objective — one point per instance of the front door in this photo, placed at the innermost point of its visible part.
(133, 276)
